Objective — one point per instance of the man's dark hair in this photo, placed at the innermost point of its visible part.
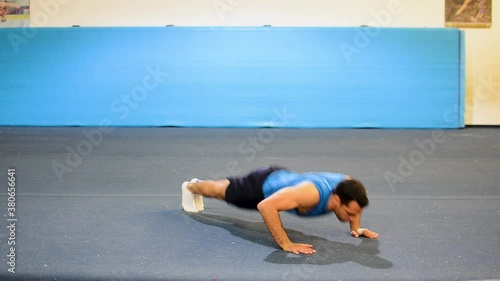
(352, 190)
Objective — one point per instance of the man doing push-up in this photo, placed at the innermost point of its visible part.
(274, 189)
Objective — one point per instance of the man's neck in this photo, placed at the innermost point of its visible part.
(331, 203)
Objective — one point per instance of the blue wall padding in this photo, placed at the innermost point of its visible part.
(232, 77)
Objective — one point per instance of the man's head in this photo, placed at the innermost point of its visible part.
(351, 199)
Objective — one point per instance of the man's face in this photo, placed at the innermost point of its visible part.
(346, 213)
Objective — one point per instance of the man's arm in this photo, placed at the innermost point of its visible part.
(354, 223)
(302, 195)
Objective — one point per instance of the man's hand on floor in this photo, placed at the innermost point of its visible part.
(300, 249)
(366, 233)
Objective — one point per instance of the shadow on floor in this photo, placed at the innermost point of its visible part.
(327, 252)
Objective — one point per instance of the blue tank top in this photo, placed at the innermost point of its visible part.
(325, 183)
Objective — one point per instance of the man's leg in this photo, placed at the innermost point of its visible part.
(210, 188)
(193, 192)
(243, 192)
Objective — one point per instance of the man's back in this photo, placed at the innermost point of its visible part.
(324, 182)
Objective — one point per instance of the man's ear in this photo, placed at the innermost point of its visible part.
(336, 199)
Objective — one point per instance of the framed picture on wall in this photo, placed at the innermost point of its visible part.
(468, 13)
(14, 13)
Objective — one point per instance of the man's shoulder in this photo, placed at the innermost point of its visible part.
(306, 193)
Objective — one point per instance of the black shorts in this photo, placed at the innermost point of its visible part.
(246, 191)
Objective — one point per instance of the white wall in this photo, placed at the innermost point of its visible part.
(233, 12)
(483, 73)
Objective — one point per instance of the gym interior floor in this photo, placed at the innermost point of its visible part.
(92, 208)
